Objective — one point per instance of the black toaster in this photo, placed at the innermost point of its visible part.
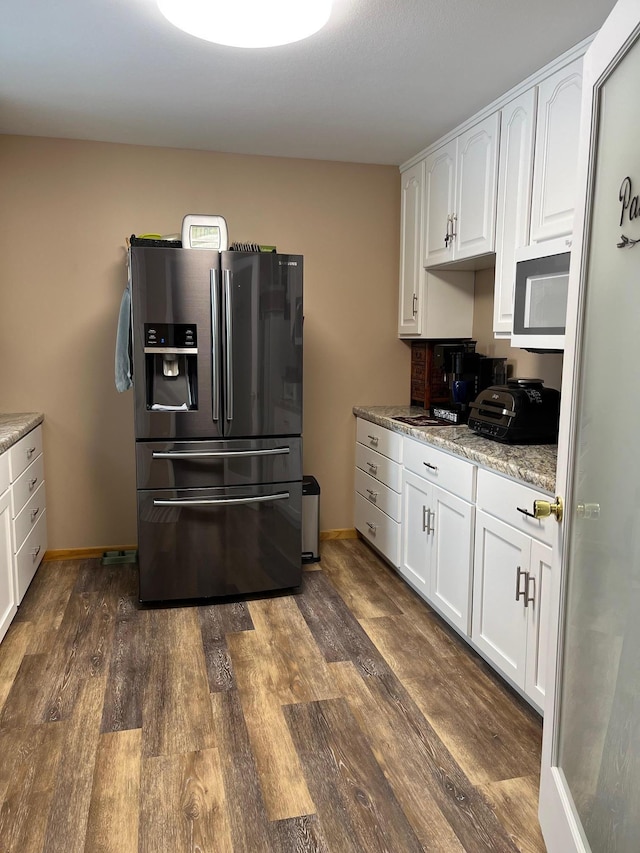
(521, 412)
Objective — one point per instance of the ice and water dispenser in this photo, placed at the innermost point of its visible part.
(171, 366)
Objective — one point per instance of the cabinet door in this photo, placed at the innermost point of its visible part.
(556, 152)
(451, 560)
(7, 596)
(476, 193)
(514, 202)
(411, 270)
(439, 201)
(538, 622)
(416, 537)
(499, 620)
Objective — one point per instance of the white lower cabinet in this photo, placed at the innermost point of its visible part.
(8, 605)
(437, 547)
(510, 593)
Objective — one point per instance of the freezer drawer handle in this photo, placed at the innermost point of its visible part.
(217, 454)
(281, 496)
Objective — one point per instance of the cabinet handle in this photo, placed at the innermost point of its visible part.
(425, 523)
(454, 219)
(30, 452)
(373, 467)
(429, 465)
(373, 439)
(431, 517)
(34, 512)
(525, 512)
(35, 552)
(372, 527)
(529, 598)
(373, 496)
(447, 236)
(521, 592)
(415, 301)
(32, 483)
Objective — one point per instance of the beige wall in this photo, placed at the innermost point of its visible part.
(546, 366)
(67, 207)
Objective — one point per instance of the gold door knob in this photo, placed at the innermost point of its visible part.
(543, 509)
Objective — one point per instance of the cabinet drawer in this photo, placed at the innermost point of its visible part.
(29, 516)
(379, 466)
(378, 494)
(26, 484)
(30, 556)
(378, 438)
(22, 454)
(378, 529)
(4, 472)
(501, 498)
(455, 475)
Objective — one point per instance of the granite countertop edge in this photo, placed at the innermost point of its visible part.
(533, 464)
(14, 426)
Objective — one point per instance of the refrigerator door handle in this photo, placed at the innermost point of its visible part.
(228, 350)
(216, 454)
(215, 347)
(280, 496)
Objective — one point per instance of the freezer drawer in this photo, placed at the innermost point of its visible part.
(200, 464)
(201, 543)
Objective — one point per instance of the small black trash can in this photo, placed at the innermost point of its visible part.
(310, 520)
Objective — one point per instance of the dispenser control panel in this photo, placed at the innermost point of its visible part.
(181, 337)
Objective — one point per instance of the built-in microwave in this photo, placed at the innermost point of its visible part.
(540, 295)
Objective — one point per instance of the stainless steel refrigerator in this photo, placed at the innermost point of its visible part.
(217, 368)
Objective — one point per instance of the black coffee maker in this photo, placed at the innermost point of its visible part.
(465, 373)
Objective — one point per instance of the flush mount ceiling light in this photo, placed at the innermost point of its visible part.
(248, 23)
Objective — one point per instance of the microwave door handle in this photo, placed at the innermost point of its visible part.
(215, 346)
(228, 349)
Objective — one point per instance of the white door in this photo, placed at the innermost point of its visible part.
(539, 613)
(411, 271)
(590, 779)
(474, 223)
(500, 567)
(439, 201)
(450, 581)
(8, 606)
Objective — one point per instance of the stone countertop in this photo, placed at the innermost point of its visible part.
(13, 427)
(534, 464)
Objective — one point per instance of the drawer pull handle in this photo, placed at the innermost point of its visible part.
(373, 466)
(372, 495)
(32, 483)
(372, 527)
(429, 465)
(34, 512)
(35, 552)
(525, 512)
(30, 452)
(373, 439)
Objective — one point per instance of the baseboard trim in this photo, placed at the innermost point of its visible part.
(344, 533)
(84, 553)
(91, 553)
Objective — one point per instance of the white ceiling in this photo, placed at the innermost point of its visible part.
(384, 79)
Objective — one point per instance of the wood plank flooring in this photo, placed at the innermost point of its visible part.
(347, 717)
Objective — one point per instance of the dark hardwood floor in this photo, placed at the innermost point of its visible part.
(347, 717)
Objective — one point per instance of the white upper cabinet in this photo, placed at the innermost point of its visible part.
(460, 195)
(514, 202)
(431, 305)
(439, 202)
(555, 157)
(474, 216)
(411, 272)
